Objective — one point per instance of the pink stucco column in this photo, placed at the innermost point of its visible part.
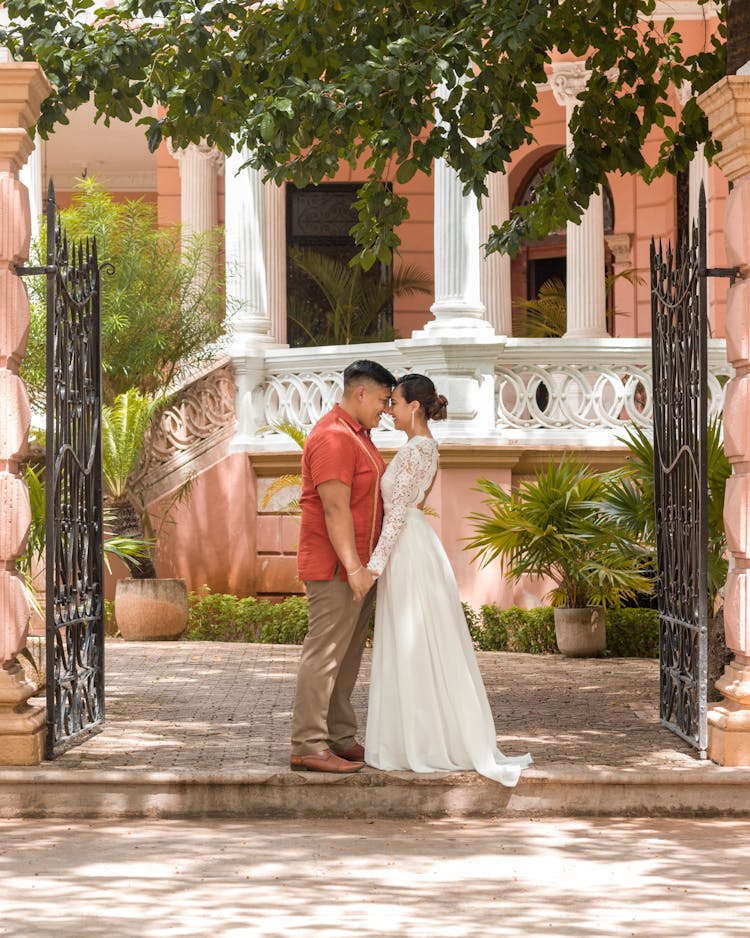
(727, 105)
(23, 87)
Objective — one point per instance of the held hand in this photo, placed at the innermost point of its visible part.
(361, 582)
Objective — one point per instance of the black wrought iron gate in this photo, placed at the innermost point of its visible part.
(679, 332)
(74, 522)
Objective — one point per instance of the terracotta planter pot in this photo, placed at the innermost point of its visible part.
(580, 633)
(151, 610)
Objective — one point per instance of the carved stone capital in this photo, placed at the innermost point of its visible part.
(727, 106)
(199, 152)
(620, 245)
(567, 81)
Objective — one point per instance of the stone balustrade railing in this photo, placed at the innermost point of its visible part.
(561, 392)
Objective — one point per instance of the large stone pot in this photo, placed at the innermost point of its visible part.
(151, 610)
(580, 633)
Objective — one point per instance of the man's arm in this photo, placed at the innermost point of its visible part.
(335, 497)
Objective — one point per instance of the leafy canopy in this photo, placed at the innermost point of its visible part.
(307, 83)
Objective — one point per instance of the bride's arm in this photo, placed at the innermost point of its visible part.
(408, 484)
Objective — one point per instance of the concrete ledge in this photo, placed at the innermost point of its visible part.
(270, 792)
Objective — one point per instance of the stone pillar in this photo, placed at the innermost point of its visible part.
(698, 170)
(459, 347)
(586, 295)
(249, 233)
(727, 105)
(274, 253)
(199, 192)
(32, 176)
(458, 308)
(23, 87)
(494, 270)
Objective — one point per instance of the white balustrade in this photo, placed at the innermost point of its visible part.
(561, 391)
(564, 389)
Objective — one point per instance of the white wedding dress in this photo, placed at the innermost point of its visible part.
(428, 709)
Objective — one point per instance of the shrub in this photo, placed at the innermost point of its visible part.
(222, 617)
(522, 630)
(631, 633)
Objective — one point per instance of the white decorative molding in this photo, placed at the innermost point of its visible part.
(567, 81)
(201, 417)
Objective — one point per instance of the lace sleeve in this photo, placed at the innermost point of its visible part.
(414, 472)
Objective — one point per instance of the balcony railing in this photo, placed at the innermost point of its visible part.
(560, 390)
(547, 392)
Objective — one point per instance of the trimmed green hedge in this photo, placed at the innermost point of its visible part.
(221, 617)
(631, 633)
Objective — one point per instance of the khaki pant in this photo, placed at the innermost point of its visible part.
(323, 716)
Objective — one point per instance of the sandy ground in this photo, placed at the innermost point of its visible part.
(569, 877)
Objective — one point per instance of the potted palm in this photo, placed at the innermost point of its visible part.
(147, 608)
(554, 527)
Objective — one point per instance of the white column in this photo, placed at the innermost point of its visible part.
(586, 295)
(246, 209)
(494, 270)
(458, 308)
(199, 194)
(31, 175)
(244, 224)
(274, 251)
(698, 170)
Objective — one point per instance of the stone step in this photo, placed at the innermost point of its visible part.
(272, 792)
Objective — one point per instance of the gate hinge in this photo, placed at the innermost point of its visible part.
(731, 272)
(35, 271)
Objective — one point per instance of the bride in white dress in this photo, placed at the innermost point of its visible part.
(428, 709)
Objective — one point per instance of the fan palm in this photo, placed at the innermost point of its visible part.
(355, 302)
(555, 527)
(630, 501)
(125, 426)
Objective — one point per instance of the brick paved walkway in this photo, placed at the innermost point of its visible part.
(212, 706)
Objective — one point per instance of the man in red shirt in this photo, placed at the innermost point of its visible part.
(342, 512)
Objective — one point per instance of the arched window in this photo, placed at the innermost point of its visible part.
(542, 261)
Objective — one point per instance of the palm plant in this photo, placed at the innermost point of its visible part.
(125, 426)
(555, 527)
(355, 301)
(126, 548)
(630, 501)
(292, 479)
(547, 315)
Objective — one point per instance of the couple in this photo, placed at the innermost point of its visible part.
(428, 709)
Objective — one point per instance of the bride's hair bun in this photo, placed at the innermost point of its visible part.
(420, 388)
(437, 409)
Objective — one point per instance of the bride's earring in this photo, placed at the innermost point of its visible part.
(412, 419)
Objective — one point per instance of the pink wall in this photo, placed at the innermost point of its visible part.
(210, 536)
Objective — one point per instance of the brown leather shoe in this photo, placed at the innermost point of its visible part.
(355, 753)
(325, 761)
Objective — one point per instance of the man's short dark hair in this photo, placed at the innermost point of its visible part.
(370, 371)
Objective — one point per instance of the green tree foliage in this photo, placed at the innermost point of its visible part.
(162, 308)
(307, 83)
